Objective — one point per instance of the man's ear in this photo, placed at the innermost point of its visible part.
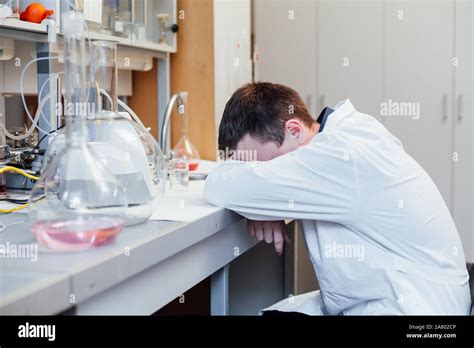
(296, 129)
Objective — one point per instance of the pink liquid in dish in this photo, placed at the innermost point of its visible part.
(78, 234)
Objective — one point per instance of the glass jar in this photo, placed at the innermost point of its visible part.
(10, 9)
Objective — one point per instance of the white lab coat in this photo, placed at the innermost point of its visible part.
(380, 237)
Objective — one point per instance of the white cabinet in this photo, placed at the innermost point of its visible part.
(285, 45)
(418, 80)
(232, 53)
(463, 188)
(350, 35)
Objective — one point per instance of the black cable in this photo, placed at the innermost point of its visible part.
(47, 135)
(15, 201)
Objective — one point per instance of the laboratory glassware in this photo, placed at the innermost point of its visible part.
(178, 173)
(125, 146)
(77, 203)
(109, 11)
(10, 9)
(184, 147)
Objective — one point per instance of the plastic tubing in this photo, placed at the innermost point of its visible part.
(35, 121)
(125, 107)
(22, 76)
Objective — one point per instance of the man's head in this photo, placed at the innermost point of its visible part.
(268, 118)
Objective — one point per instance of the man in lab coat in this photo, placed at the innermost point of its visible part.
(378, 232)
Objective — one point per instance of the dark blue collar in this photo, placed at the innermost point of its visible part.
(323, 116)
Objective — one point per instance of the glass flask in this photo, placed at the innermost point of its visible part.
(109, 10)
(184, 147)
(77, 204)
(178, 173)
(125, 146)
(10, 9)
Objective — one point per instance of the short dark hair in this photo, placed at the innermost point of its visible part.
(260, 109)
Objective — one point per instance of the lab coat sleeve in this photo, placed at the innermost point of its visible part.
(310, 183)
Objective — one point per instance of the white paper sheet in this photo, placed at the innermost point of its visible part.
(186, 205)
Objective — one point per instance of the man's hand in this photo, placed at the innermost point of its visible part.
(271, 231)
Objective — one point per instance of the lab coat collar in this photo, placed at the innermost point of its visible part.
(341, 111)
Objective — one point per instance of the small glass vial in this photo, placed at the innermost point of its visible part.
(179, 173)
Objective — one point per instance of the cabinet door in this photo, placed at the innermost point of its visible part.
(463, 126)
(232, 57)
(285, 45)
(350, 50)
(418, 83)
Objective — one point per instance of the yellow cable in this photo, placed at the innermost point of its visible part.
(18, 171)
(7, 211)
(21, 172)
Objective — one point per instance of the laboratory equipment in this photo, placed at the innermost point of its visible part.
(139, 19)
(163, 19)
(184, 147)
(179, 173)
(124, 146)
(78, 203)
(108, 14)
(10, 9)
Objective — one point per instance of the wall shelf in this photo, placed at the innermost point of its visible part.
(21, 30)
(26, 31)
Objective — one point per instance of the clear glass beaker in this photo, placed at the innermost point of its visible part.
(184, 147)
(179, 173)
(78, 203)
(10, 9)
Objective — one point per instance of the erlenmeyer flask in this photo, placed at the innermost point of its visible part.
(184, 148)
(77, 204)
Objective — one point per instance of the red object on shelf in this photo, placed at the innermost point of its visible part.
(35, 13)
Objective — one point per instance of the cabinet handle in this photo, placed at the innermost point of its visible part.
(445, 107)
(459, 108)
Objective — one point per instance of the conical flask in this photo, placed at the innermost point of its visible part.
(78, 203)
(184, 148)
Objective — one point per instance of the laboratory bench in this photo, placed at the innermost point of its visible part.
(147, 267)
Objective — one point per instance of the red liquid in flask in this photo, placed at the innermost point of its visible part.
(193, 166)
(76, 235)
